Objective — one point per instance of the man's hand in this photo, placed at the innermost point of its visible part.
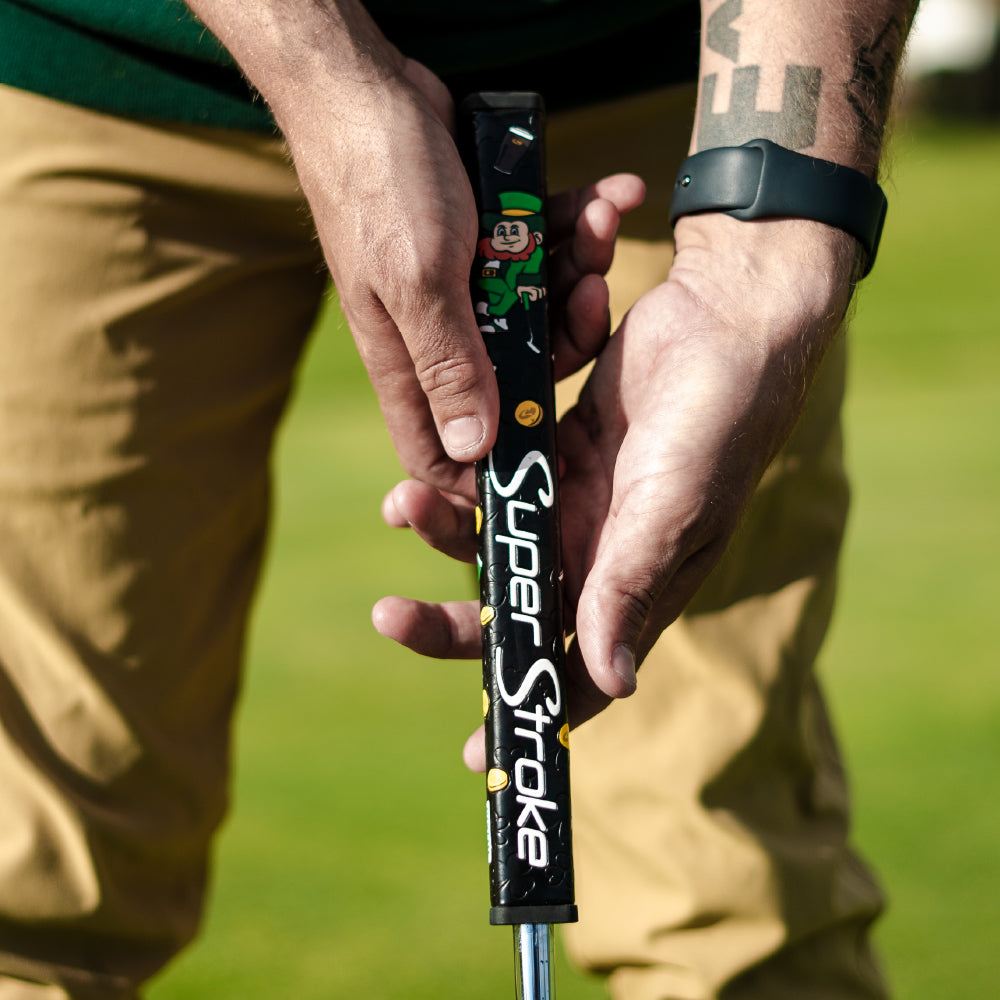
(397, 219)
(371, 137)
(687, 404)
(690, 401)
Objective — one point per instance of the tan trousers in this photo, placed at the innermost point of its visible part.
(711, 808)
(156, 287)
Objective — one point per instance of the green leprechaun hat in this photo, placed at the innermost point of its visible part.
(515, 205)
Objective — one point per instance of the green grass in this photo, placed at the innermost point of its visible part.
(354, 862)
(912, 662)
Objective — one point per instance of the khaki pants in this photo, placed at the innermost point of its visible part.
(156, 287)
(710, 809)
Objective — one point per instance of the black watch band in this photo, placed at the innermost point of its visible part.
(762, 180)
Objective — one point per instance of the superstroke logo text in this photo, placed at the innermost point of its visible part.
(536, 699)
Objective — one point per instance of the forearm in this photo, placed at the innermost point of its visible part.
(298, 53)
(814, 77)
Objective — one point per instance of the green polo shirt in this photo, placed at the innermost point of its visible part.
(152, 58)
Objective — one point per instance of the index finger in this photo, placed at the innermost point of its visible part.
(625, 191)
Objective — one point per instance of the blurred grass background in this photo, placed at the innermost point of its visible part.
(354, 861)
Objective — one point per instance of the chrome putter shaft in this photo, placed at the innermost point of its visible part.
(534, 970)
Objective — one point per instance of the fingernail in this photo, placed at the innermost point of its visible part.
(623, 664)
(463, 434)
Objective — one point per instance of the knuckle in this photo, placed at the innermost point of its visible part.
(637, 605)
(446, 376)
(415, 274)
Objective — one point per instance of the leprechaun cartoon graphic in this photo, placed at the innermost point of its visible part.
(510, 259)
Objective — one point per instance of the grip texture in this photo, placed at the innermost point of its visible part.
(524, 697)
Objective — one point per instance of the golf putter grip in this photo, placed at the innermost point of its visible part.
(517, 522)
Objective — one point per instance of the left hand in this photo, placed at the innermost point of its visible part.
(686, 406)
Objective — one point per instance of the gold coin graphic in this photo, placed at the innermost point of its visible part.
(528, 413)
(496, 780)
(486, 704)
(486, 614)
(564, 735)
(479, 519)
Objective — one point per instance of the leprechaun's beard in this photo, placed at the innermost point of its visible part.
(487, 250)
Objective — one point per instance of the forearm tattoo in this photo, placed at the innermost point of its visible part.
(869, 91)
(793, 126)
(720, 35)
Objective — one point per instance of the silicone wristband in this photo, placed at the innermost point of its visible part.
(762, 180)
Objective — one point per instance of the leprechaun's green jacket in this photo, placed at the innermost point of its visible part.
(501, 280)
(152, 58)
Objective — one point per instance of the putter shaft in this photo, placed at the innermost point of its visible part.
(534, 977)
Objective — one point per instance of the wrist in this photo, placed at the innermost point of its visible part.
(785, 278)
(762, 180)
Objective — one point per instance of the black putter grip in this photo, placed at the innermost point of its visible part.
(524, 697)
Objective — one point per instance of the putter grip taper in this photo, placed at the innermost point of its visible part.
(524, 697)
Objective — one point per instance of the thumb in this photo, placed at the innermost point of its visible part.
(609, 621)
(626, 600)
(635, 589)
(454, 370)
(433, 377)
